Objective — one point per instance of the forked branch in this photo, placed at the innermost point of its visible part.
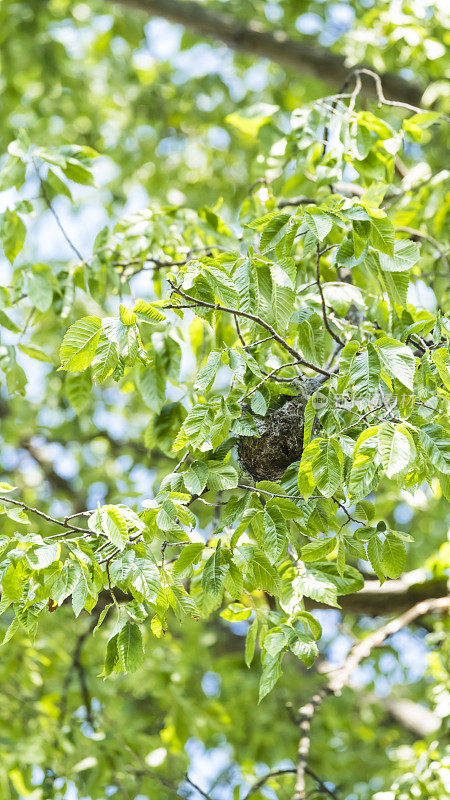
(340, 677)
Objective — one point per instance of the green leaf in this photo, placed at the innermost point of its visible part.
(77, 172)
(327, 467)
(375, 554)
(106, 358)
(184, 603)
(78, 389)
(250, 642)
(303, 647)
(236, 612)
(214, 573)
(319, 223)
(126, 337)
(364, 511)
(102, 616)
(79, 594)
(364, 465)
(152, 386)
(114, 526)
(265, 575)
(197, 425)
(259, 403)
(313, 624)
(442, 360)
(244, 279)
(40, 287)
(145, 579)
(397, 359)
(395, 448)
(348, 582)
(310, 332)
(42, 557)
(65, 583)
(250, 120)
(130, 647)
(393, 557)
(12, 173)
(6, 487)
(126, 315)
(206, 376)
(396, 285)
(316, 550)
(274, 232)
(221, 476)
(435, 444)
(147, 312)
(6, 322)
(340, 296)
(195, 477)
(270, 674)
(79, 344)
(274, 533)
(364, 373)
(112, 656)
(381, 232)
(56, 185)
(406, 254)
(317, 586)
(33, 352)
(188, 556)
(12, 233)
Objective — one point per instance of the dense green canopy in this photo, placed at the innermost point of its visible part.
(224, 385)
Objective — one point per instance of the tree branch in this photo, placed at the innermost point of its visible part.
(322, 298)
(415, 717)
(373, 600)
(62, 523)
(276, 773)
(306, 713)
(55, 215)
(57, 481)
(77, 665)
(252, 39)
(393, 596)
(340, 677)
(246, 315)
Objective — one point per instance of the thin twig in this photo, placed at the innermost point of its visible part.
(253, 317)
(77, 665)
(55, 215)
(197, 788)
(79, 514)
(256, 344)
(268, 376)
(54, 520)
(324, 310)
(382, 101)
(238, 331)
(272, 494)
(343, 508)
(288, 771)
(360, 419)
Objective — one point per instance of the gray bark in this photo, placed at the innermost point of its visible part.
(251, 38)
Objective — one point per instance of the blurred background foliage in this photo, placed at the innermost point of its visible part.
(155, 98)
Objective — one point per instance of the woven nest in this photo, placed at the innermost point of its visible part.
(280, 442)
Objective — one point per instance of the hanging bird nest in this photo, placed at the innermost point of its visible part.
(280, 440)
